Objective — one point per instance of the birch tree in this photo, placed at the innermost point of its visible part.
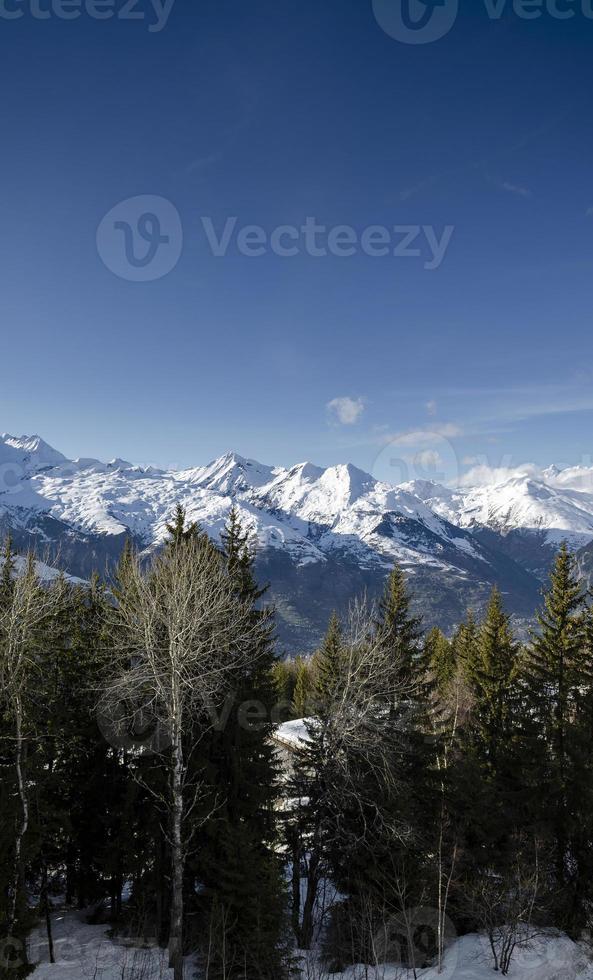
(182, 638)
(27, 611)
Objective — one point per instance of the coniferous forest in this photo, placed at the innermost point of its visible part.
(155, 776)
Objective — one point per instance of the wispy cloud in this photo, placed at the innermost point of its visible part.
(346, 410)
(420, 437)
(431, 407)
(589, 213)
(515, 189)
(408, 192)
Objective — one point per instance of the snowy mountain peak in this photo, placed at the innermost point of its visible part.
(231, 473)
(347, 482)
(31, 453)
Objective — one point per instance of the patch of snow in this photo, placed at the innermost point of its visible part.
(293, 733)
(84, 951)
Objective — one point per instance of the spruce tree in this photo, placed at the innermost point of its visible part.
(491, 759)
(438, 657)
(327, 665)
(554, 674)
(302, 696)
(399, 630)
(177, 529)
(7, 569)
(465, 646)
(238, 863)
(494, 677)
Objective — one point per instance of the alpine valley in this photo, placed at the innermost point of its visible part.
(321, 535)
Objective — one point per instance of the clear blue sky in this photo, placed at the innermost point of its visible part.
(273, 111)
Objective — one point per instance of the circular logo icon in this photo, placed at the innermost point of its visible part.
(423, 456)
(11, 477)
(141, 238)
(416, 21)
(411, 938)
(133, 728)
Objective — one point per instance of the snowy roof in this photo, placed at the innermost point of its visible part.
(293, 734)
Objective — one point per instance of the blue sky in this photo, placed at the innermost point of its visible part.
(272, 112)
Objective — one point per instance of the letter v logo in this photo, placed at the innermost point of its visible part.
(416, 21)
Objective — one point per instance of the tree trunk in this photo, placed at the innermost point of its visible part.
(24, 823)
(306, 932)
(47, 912)
(176, 932)
(296, 883)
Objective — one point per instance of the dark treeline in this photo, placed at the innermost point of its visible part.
(441, 786)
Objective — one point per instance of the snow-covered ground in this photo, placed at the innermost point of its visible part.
(549, 958)
(85, 952)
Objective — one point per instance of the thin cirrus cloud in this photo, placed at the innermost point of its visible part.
(420, 437)
(345, 410)
(516, 189)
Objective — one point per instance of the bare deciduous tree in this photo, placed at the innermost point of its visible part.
(504, 906)
(360, 728)
(181, 637)
(29, 606)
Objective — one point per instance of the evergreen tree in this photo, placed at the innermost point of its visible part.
(491, 760)
(465, 646)
(399, 630)
(7, 569)
(238, 863)
(302, 696)
(494, 676)
(556, 662)
(327, 666)
(178, 531)
(438, 658)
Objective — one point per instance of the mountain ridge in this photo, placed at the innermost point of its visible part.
(310, 524)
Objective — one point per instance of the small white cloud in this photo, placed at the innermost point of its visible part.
(516, 189)
(429, 459)
(431, 407)
(346, 410)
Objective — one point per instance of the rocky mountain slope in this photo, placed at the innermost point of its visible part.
(322, 534)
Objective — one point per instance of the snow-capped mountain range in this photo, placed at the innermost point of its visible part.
(321, 533)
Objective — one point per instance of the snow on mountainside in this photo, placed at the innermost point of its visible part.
(306, 507)
(560, 505)
(44, 572)
(323, 534)
(306, 510)
(26, 454)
